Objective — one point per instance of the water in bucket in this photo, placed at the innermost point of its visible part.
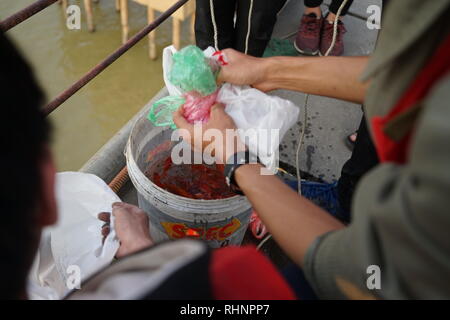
(213, 214)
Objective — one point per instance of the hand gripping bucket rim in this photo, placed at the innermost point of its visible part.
(218, 222)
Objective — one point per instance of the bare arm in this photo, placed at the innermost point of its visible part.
(293, 220)
(334, 77)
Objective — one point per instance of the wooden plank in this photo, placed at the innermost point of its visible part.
(152, 35)
(192, 29)
(89, 15)
(162, 5)
(64, 6)
(176, 33)
(124, 19)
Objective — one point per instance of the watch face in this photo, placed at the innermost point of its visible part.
(237, 159)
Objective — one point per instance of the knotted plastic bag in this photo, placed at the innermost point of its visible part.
(255, 113)
(192, 78)
(191, 71)
(161, 111)
(196, 108)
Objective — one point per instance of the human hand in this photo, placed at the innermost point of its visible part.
(243, 69)
(218, 134)
(131, 226)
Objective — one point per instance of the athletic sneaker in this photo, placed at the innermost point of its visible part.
(327, 38)
(308, 36)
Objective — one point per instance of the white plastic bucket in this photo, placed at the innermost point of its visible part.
(219, 222)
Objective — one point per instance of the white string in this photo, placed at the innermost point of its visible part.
(284, 6)
(300, 144)
(263, 241)
(336, 20)
(213, 18)
(249, 21)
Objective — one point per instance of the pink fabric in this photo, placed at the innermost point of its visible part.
(196, 108)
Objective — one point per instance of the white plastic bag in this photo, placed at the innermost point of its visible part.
(76, 240)
(263, 119)
(258, 115)
(167, 66)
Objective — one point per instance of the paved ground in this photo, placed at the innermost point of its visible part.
(329, 120)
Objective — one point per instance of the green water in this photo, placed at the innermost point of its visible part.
(60, 56)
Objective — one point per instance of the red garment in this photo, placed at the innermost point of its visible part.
(242, 273)
(397, 151)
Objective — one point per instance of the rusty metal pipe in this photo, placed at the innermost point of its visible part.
(110, 59)
(119, 180)
(24, 14)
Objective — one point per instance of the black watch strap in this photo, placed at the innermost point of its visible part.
(235, 161)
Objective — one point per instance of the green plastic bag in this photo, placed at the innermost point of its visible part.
(192, 72)
(280, 47)
(161, 111)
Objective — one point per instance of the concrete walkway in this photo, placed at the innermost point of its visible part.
(329, 121)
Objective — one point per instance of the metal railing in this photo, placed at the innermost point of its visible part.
(24, 14)
(39, 5)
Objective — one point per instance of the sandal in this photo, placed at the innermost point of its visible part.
(257, 227)
(350, 142)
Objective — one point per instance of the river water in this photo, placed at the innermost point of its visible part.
(60, 56)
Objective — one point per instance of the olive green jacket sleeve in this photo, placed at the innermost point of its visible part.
(401, 221)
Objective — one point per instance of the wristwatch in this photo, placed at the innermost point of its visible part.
(235, 161)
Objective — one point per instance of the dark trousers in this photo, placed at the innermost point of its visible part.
(334, 7)
(215, 26)
(364, 158)
(298, 282)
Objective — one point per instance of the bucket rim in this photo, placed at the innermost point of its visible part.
(131, 164)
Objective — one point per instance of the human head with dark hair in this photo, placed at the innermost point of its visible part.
(27, 188)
